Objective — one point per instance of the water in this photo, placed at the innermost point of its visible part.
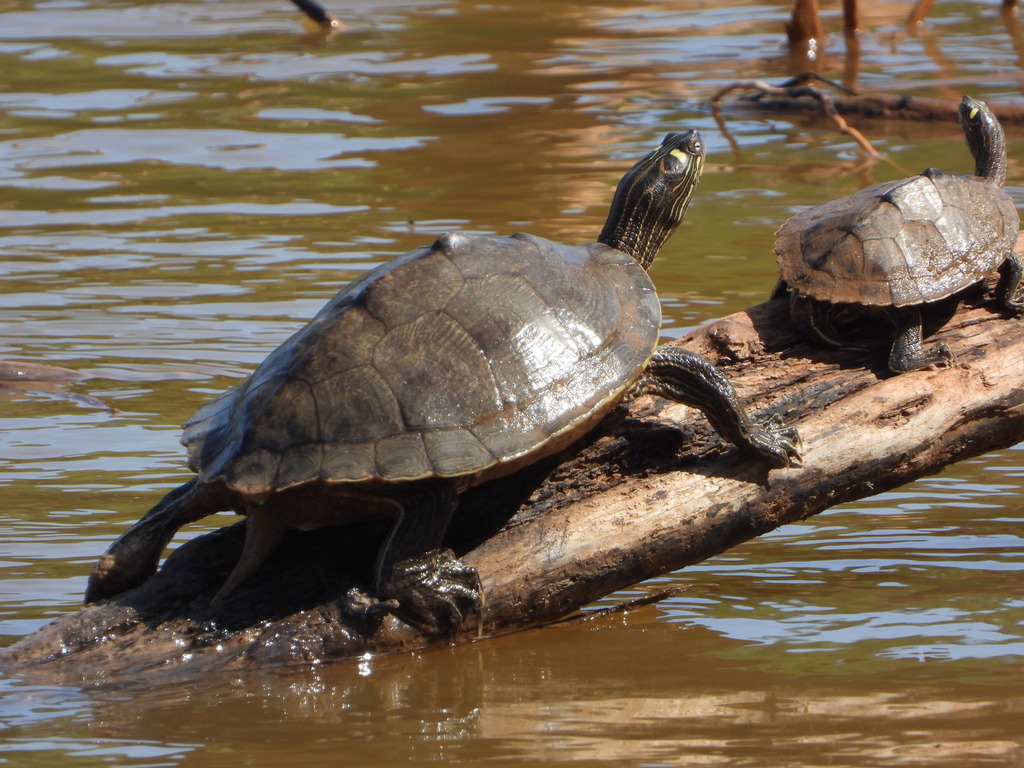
(183, 184)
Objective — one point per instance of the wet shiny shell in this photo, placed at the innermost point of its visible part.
(905, 242)
(465, 359)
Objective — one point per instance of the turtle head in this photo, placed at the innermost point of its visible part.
(651, 199)
(985, 139)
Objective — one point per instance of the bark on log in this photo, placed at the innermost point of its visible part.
(654, 491)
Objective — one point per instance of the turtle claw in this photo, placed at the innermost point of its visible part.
(941, 356)
(435, 593)
(365, 612)
(778, 443)
(937, 357)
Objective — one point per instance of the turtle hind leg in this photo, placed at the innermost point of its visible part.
(689, 378)
(908, 352)
(814, 319)
(263, 532)
(134, 557)
(418, 581)
(1009, 292)
(780, 290)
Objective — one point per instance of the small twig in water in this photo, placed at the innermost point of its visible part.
(319, 15)
(794, 89)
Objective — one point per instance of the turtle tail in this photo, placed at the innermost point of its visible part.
(134, 557)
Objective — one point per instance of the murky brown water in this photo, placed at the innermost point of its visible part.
(183, 184)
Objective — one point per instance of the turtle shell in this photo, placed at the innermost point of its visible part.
(905, 242)
(466, 359)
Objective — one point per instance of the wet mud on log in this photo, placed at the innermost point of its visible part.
(655, 490)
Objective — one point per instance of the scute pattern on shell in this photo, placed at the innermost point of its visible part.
(453, 360)
(905, 242)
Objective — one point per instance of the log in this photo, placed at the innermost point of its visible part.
(878, 106)
(653, 490)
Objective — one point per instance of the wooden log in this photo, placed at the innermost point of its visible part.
(653, 491)
(886, 106)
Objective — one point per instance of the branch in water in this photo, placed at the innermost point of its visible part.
(319, 15)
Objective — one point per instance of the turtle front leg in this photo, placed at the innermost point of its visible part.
(908, 352)
(422, 584)
(689, 378)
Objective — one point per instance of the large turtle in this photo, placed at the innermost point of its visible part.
(900, 245)
(452, 365)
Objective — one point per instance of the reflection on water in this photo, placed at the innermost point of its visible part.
(184, 184)
(646, 692)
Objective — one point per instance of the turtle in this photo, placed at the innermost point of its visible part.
(893, 248)
(452, 365)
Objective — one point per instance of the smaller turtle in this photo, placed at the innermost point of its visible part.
(896, 247)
